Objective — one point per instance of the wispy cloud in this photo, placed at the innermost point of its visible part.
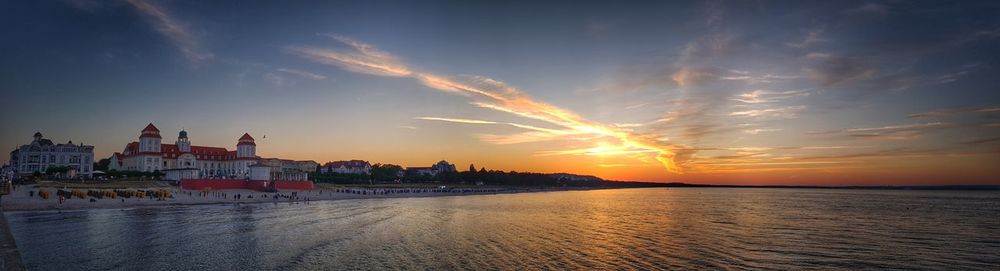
(469, 121)
(761, 130)
(781, 112)
(891, 135)
(890, 132)
(765, 96)
(901, 127)
(867, 8)
(984, 140)
(303, 74)
(956, 111)
(811, 37)
(362, 59)
(173, 29)
(488, 93)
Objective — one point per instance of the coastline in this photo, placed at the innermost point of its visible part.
(20, 201)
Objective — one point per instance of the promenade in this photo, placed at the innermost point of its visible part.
(10, 258)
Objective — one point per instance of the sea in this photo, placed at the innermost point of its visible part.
(619, 229)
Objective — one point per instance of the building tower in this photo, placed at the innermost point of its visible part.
(149, 140)
(38, 136)
(183, 144)
(246, 148)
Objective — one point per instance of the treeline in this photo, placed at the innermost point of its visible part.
(381, 174)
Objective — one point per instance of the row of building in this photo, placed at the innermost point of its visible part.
(181, 159)
(363, 167)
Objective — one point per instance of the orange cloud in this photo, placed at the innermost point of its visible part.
(493, 94)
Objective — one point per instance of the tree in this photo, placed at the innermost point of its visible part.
(472, 168)
(385, 172)
(54, 170)
(102, 165)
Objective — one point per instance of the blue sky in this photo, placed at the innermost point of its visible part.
(804, 92)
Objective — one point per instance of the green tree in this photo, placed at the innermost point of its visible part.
(385, 172)
(102, 164)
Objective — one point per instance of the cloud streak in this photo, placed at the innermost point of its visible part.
(303, 74)
(957, 111)
(891, 132)
(173, 29)
(491, 94)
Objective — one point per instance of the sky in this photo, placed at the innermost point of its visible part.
(717, 92)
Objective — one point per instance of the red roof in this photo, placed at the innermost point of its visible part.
(150, 131)
(246, 136)
(151, 128)
(172, 151)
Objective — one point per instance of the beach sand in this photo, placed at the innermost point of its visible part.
(19, 199)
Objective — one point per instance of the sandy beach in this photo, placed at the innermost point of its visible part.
(26, 198)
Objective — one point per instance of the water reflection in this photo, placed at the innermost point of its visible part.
(607, 229)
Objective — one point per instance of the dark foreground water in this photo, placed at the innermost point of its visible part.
(682, 228)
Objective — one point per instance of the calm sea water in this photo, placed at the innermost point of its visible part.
(684, 228)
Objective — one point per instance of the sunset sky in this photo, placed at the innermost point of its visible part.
(721, 92)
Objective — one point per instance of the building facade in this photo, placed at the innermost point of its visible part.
(42, 154)
(150, 154)
(433, 170)
(347, 167)
(288, 166)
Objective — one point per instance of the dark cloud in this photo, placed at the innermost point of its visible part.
(830, 70)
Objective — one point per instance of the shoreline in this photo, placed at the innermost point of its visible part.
(20, 201)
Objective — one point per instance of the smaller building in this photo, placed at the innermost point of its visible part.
(266, 173)
(347, 167)
(438, 168)
(177, 174)
(285, 165)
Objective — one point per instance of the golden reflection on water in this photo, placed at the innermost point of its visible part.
(630, 229)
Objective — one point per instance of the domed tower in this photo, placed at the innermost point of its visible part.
(38, 136)
(149, 140)
(183, 144)
(246, 148)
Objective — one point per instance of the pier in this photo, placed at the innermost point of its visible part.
(10, 258)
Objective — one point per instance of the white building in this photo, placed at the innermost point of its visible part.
(433, 170)
(42, 154)
(149, 154)
(286, 165)
(347, 167)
